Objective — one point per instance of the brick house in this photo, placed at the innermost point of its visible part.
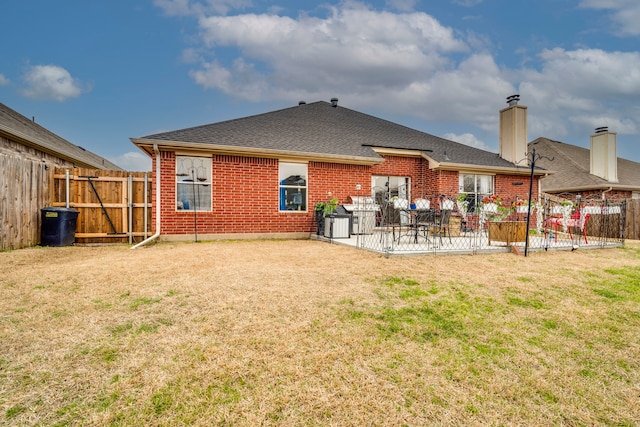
(260, 176)
(595, 173)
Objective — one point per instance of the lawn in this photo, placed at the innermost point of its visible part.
(305, 333)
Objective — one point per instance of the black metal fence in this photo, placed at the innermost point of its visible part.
(398, 226)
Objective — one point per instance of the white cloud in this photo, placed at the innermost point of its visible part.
(190, 7)
(133, 161)
(51, 82)
(353, 50)
(409, 64)
(467, 139)
(3, 80)
(624, 13)
(575, 88)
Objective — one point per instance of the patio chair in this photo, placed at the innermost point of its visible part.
(425, 220)
(401, 213)
(579, 223)
(441, 225)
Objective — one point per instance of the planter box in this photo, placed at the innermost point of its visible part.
(507, 231)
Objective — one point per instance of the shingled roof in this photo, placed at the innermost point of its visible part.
(17, 127)
(572, 169)
(321, 130)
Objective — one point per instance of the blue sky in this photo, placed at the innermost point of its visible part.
(100, 72)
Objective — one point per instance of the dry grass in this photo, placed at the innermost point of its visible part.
(307, 333)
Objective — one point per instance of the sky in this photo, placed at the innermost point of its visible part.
(98, 73)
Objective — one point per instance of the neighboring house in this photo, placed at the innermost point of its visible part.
(595, 173)
(28, 155)
(261, 176)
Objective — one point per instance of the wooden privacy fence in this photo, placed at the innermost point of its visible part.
(632, 226)
(114, 206)
(24, 190)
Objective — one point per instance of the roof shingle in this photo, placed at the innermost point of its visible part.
(572, 166)
(18, 126)
(320, 128)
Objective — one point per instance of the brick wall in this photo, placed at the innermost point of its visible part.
(245, 192)
(509, 187)
(245, 196)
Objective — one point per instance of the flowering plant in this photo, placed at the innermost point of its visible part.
(492, 199)
(462, 204)
(492, 208)
(522, 206)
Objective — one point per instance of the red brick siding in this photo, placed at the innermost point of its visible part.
(505, 188)
(245, 196)
(339, 179)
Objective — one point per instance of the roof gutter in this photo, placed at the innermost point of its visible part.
(157, 203)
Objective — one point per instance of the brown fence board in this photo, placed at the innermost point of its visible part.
(25, 190)
(633, 220)
(94, 226)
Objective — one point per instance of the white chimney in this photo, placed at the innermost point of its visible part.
(513, 132)
(604, 154)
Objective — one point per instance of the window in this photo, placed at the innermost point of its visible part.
(292, 178)
(193, 183)
(476, 187)
(385, 189)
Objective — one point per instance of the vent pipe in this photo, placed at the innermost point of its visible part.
(513, 99)
(334, 102)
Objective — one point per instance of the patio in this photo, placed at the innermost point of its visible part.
(384, 241)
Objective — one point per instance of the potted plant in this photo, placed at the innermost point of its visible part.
(499, 229)
(323, 209)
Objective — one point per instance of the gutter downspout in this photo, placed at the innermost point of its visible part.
(606, 191)
(157, 203)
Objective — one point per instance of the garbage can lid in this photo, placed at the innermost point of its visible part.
(58, 209)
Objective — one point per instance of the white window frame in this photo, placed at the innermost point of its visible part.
(477, 194)
(293, 194)
(193, 184)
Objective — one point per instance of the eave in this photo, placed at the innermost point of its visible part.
(467, 168)
(146, 145)
(29, 141)
(578, 188)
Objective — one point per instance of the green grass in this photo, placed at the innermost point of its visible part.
(477, 338)
(223, 339)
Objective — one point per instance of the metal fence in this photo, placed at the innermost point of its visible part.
(553, 222)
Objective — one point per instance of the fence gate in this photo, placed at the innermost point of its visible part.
(114, 206)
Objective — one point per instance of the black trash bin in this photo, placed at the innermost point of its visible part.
(58, 226)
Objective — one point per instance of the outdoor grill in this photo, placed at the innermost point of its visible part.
(363, 211)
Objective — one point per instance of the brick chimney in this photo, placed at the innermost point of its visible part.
(604, 154)
(513, 132)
